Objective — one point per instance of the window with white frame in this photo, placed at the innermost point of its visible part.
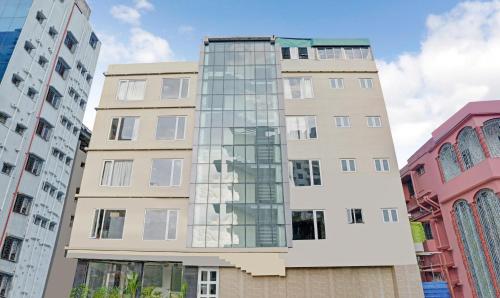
(116, 173)
(298, 88)
(208, 283)
(166, 172)
(305, 172)
(124, 128)
(337, 83)
(348, 165)
(301, 127)
(160, 224)
(374, 121)
(366, 83)
(342, 121)
(308, 225)
(390, 215)
(171, 128)
(131, 89)
(381, 164)
(354, 216)
(357, 53)
(175, 88)
(108, 224)
(330, 53)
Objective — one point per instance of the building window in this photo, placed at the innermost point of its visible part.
(342, 121)
(22, 204)
(17, 80)
(420, 170)
(70, 41)
(20, 129)
(108, 224)
(44, 129)
(124, 128)
(390, 215)
(166, 172)
(42, 61)
(49, 188)
(305, 172)
(348, 165)
(470, 148)
(427, 230)
(491, 130)
(28, 46)
(366, 83)
(34, 164)
(448, 161)
(40, 17)
(308, 225)
(52, 32)
(131, 89)
(93, 40)
(31, 92)
(11, 248)
(298, 88)
(171, 128)
(116, 173)
(208, 283)
(175, 88)
(83, 104)
(374, 121)
(4, 117)
(89, 79)
(337, 83)
(68, 160)
(354, 216)
(52, 226)
(160, 224)
(381, 165)
(303, 53)
(357, 53)
(7, 168)
(285, 53)
(330, 53)
(62, 68)
(301, 127)
(4, 284)
(54, 97)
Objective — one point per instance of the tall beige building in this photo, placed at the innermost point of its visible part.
(266, 169)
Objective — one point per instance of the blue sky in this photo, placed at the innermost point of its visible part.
(393, 26)
(433, 56)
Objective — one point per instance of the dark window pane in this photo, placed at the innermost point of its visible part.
(303, 225)
(285, 53)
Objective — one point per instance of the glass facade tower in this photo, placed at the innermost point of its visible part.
(13, 14)
(239, 154)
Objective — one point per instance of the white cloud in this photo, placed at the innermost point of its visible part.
(143, 4)
(185, 29)
(458, 62)
(141, 47)
(126, 14)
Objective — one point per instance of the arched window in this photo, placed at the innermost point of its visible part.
(473, 250)
(491, 130)
(449, 162)
(488, 206)
(470, 148)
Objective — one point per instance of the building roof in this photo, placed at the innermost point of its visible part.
(321, 42)
(476, 108)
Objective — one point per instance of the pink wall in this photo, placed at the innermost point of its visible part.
(486, 174)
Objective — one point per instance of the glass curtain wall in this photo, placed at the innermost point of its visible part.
(13, 14)
(238, 186)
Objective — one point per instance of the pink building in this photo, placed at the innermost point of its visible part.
(452, 186)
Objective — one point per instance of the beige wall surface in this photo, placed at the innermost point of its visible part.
(374, 243)
(314, 283)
